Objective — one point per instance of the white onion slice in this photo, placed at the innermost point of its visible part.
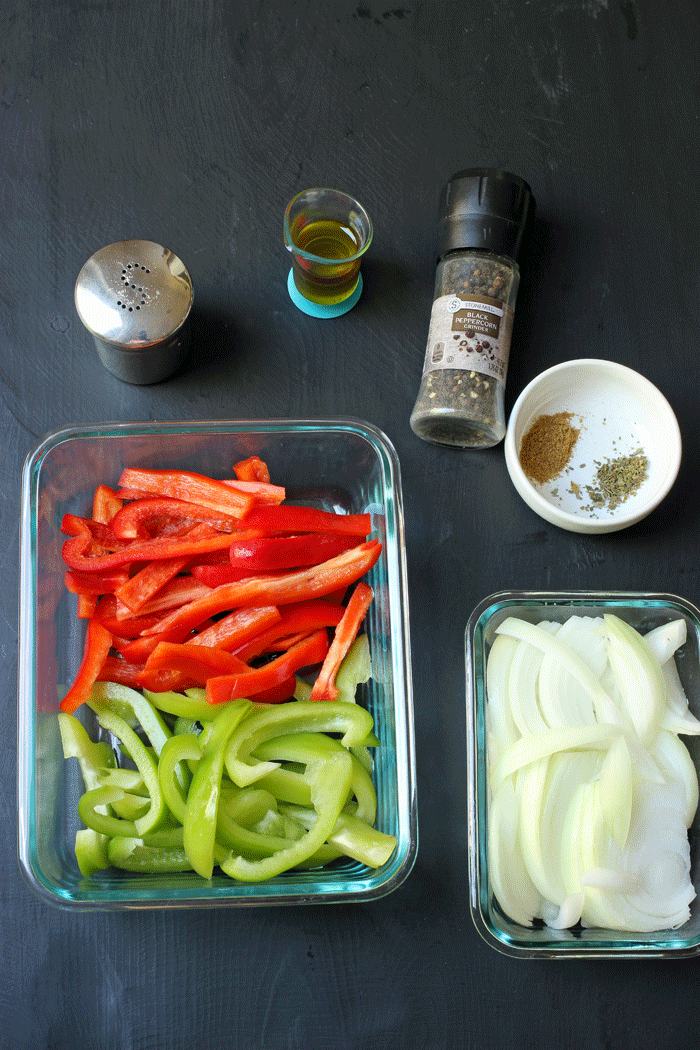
(638, 675)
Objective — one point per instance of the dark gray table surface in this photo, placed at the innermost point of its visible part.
(192, 124)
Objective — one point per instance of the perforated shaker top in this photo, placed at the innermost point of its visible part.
(133, 294)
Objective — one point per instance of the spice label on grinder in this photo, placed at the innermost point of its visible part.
(470, 334)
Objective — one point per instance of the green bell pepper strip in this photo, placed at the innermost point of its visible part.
(129, 780)
(91, 812)
(186, 725)
(312, 747)
(134, 708)
(177, 750)
(351, 836)
(355, 669)
(190, 704)
(251, 844)
(245, 805)
(95, 760)
(131, 854)
(145, 762)
(91, 851)
(330, 784)
(131, 807)
(297, 716)
(199, 825)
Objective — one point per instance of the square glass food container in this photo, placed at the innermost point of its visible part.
(342, 465)
(642, 611)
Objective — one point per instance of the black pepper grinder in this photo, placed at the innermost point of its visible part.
(483, 218)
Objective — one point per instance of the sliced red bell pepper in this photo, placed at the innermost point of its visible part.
(345, 633)
(289, 518)
(98, 642)
(76, 551)
(115, 669)
(264, 494)
(191, 487)
(288, 552)
(96, 582)
(156, 574)
(179, 591)
(148, 581)
(199, 662)
(106, 614)
(97, 537)
(87, 603)
(143, 518)
(105, 504)
(252, 469)
(215, 575)
(238, 627)
(300, 617)
(251, 682)
(302, 585)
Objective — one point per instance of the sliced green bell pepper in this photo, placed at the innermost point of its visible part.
(176, 751)
(144, 760)
(330, 784)
(297, 716)
(199, 825)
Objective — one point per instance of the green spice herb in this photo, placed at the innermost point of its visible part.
(617, 480)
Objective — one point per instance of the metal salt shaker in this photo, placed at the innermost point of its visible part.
(134, 298)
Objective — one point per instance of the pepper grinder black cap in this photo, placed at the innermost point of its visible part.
(487, 209)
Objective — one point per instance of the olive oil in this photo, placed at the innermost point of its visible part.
(333, 279)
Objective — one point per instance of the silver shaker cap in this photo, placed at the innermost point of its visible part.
(134, 298)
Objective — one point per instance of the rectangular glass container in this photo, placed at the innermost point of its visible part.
(643, 611)
(342, 465)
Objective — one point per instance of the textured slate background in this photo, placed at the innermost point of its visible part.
(192, 124)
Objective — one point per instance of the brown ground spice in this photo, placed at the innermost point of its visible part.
(546, 448)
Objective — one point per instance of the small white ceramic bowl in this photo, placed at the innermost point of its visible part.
(617, 412)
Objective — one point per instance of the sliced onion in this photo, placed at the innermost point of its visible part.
(498, 705)
(510, 881)
(592, 788)
(638, 675)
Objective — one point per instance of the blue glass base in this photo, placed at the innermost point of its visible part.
(317, 309)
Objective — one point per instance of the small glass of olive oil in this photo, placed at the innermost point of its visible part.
(327, 233)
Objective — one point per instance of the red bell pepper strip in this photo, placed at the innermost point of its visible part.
(296, 618)
(238, 627)
(324, 687)
(106, 614)
(87, 603)
(116, 670)
(138, 590)
(105, 504)
(251, 469)
(302, 585)
(97, 538)
(289, 518)
(253, 681)
(178, 592)
(199, 662)
(215, 575)
(276, 694)
(76, 550)
(264, 494)
(288, 552)
(98, 642)
(95, 582)
(133, 520)
(191, 487)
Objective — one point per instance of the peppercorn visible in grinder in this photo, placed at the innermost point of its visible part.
(483, 217)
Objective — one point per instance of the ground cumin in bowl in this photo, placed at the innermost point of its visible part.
(592, 446)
